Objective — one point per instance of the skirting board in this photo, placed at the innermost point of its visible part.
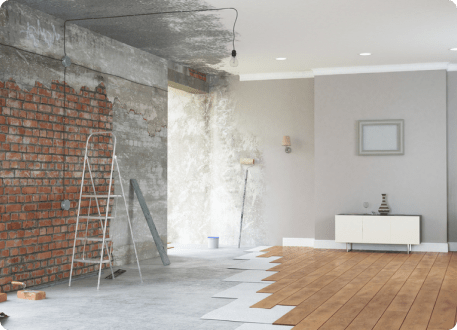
(331, 244)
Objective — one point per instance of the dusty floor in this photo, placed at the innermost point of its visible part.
(173, 297)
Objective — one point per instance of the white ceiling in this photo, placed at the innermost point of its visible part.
(331, 33)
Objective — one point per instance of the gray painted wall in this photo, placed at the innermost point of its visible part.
(452, 154)
(209, 134)
(142, 133)
(415, 183)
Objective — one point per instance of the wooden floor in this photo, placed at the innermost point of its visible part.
(334, 290)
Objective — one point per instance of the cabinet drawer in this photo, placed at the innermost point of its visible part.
(348, 229)
(376, 230)
(405, 230)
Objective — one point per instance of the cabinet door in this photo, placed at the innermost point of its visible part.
(348, 229)
(376, 229)
(405, 230)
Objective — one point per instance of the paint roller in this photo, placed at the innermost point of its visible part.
(244, 161)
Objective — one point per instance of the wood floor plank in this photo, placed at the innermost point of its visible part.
(344, 316)
(420, 312)
(373, 311)
(301, 266)
(280, 295)
(299, 259)
(443, 315)
(306, 307)
(317, 318)
(395, 314)
(362, 263)
(311, 266)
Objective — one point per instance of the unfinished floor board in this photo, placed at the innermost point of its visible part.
(239, 311)
(257, 263)
(252, 276)
(248, 256)
(241, 290)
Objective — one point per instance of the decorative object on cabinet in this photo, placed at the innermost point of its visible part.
(372, 229)
(381, 137)
(384, 208)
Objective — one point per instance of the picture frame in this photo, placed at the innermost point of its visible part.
(381, 137)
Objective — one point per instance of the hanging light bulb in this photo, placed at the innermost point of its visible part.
(234, 60)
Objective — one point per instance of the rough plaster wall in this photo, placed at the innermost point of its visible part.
(206, 178)
(208, 136)
(32, 31)
(143, 158)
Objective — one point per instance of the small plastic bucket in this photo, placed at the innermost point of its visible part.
(213, 242)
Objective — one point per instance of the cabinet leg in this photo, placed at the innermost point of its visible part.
(347, 248)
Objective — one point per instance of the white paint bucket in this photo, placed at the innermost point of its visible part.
(213, 242)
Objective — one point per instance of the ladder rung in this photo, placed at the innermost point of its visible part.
(92, 261)
(94, 239)
(101, 196)
(89, 217)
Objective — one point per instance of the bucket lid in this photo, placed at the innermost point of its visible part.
(212, 237)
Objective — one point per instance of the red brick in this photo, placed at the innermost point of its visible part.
(30, 106)
(13, 104)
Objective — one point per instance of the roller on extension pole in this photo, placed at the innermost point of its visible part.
(244, 161)
(152, 227)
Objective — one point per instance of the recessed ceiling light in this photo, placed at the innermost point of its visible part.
(454, 49)
(281, 58)
(365, 54)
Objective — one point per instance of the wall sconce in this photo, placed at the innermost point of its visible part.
(286, 143)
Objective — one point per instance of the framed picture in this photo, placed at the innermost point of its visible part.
(381, 137)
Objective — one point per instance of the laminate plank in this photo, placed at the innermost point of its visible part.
(373, 311)
(420, 312)
(348, 271)
(344, 316)
(443, 315)
(299, 259)
(309, 304)
(317, 318)
(395, 314)
(301, 279)
(282, 294)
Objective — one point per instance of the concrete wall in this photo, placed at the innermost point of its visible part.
(415, 183)
(208, 136)
(31, 48)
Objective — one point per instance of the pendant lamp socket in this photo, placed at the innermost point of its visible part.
(234, 60)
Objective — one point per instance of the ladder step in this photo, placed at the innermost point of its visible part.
(90, 217)
(101, 196)
(92, 261)
(94, 239)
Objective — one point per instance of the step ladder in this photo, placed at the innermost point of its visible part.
(103, 218)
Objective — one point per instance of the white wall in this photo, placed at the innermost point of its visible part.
(415, 183)
(209, 134)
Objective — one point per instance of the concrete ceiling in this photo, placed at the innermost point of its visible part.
(309, 33)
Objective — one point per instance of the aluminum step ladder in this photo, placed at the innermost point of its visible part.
(102, 218)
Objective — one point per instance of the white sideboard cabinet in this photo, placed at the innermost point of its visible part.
(377, 229)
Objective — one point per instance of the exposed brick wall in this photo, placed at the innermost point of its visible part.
(43, 144)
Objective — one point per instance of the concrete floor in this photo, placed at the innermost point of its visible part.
(172, 297)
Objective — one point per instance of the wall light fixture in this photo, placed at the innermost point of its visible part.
(286, 143)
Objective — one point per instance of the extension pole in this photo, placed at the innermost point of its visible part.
(242, 209)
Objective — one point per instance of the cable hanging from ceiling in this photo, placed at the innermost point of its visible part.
(66, 61)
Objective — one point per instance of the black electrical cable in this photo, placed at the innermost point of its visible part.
(131, 15)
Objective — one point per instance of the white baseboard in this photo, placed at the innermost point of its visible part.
(423, 247)
(329, 244)
(452, 246)
(287, 241)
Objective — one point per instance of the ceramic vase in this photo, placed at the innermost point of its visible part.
(384, 208)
